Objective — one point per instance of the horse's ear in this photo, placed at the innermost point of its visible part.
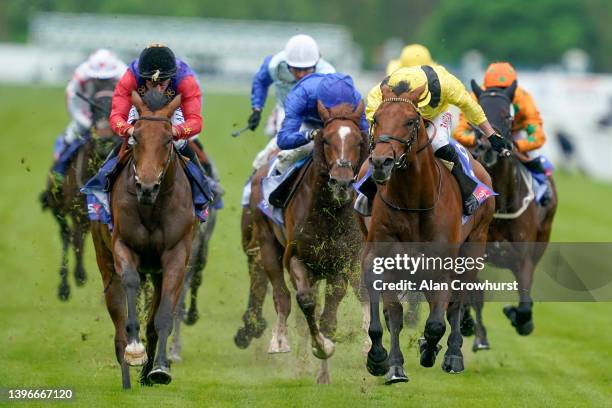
(358, 111)
(476, 88)
(509, 91)
(172, 106)
(415, 94)
(323, 111)
(137, 102)
(386, 91)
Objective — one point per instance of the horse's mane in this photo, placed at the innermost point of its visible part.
(155, 100)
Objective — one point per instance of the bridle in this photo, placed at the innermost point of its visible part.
(342, 163)
(402, 162)
(168, 160)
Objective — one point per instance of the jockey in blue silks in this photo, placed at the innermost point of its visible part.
(302, 116)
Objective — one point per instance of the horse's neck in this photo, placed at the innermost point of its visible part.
(415, 185)
(507, 183)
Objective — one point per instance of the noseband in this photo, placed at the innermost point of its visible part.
(168, 160)
(402, 162)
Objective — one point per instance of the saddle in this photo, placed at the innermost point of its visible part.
(282, 195)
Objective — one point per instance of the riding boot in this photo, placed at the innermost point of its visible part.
(535, 165)
(466, 184)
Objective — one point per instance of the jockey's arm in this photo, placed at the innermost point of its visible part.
(191, 105)
(455, 93)
(290, 136)
(121, 104)
(77, 108)
(373, 100)
(532, 123)
(261, 82)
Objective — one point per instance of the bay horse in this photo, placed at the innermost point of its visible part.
(153, 226)
(516, 221)
(418, 201)
(320, 240)
(67, 204)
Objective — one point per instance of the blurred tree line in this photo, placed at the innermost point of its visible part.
(524, 32)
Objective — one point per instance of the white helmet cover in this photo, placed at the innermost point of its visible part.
(103, 64)
(302, 51)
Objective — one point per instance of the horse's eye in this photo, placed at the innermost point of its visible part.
(168, 141)
(410, 123)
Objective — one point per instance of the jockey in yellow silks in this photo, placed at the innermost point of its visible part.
(442, 89)
(412, 55)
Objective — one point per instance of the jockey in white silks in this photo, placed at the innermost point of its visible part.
(300, 57)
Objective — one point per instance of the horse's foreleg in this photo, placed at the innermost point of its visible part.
(521, 316)
(63, 291)
(377, 361)
(173, 263)
(453, 358)
(151, 333)
(481, 341)
(78, 240)
(306, 297)
(126, 266)
(334, 293)
(434, 328)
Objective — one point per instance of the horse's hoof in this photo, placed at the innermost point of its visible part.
(80, 277)
(191, 317)
(428, 356)
(325, 350)
(480, 344)
(525, 329)
(135, 354)
(453, 364)
(395, 374)
(277, 346)
(242, 339)
(378, 365)
(467, 326)
(160, 375)
(63, 293)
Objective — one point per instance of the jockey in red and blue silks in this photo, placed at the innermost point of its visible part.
(157, 68)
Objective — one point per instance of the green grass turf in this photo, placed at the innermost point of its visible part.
(47, 343)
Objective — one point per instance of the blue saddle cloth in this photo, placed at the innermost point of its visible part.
(97, 191)
(271, 182)
(65, 152)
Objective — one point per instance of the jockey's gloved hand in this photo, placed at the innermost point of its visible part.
(499, 144)
(254, 119)
(313, 133)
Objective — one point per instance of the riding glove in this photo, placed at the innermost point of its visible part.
(254, 119)
(498, 143)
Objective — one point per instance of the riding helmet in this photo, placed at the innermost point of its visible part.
(157, 62)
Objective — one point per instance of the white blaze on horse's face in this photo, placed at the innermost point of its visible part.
(343, 132)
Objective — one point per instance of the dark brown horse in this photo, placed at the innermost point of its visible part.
(320, 240)
(518, 218)
(66, 202)
(154, 221)
(418, 201)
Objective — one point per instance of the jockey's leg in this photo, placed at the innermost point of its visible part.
(535, 165)
(286, 158)
(445, 151)
(262, 157)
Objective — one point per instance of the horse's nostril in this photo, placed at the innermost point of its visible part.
(388, 162)
(333, 181)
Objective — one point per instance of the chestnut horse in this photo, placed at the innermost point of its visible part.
(321, 239)
(154, 222)
(516, 221)
(418, 201)
(67, 203)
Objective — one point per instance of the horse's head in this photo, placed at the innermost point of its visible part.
(340, 147)
(395, 129)
(152, 138)
(100, 112)
(497, 106)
